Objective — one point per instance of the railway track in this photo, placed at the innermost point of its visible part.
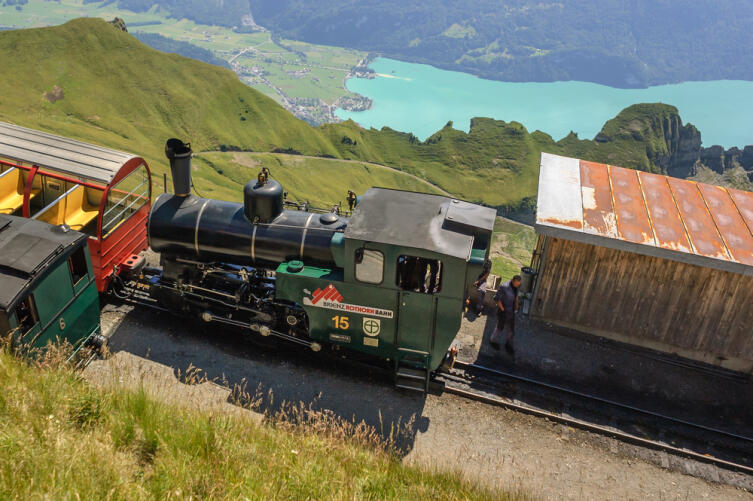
(627, 423)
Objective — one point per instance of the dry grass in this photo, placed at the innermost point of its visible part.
(305, 418)
(57, 355)
(61, 438)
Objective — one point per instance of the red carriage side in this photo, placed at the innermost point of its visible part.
(99, 191)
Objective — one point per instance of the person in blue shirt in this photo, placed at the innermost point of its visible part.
(506, 300)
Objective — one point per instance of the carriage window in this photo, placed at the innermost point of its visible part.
(77, 265)
(419, 274)
(125, 198)
(369, 266)
(4, 324)
(26, 314)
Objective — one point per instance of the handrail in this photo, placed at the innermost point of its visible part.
(54, 202)
(127, 193)
(7, 171)
(138, 197)
(10, 164)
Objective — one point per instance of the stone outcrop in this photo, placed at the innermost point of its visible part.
(713, 158)
(119, 24)
(671, 147)
(685, 152)
(720, 160)
(732, 158)
(746, 159)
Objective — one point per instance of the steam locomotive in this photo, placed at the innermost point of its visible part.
(389, 281)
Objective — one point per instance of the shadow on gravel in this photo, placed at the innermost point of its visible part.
(275, 378)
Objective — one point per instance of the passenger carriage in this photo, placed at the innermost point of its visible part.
(103, 193)
(47, 286)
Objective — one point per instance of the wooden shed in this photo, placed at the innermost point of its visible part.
(644, 259)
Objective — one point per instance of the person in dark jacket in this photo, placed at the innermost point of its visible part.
(506, 299)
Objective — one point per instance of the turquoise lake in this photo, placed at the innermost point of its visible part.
(421, 99)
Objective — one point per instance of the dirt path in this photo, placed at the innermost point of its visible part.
(340, 160)
(380, 166)
(495, 446)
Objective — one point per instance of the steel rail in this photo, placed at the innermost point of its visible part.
(560, 418)
(465, 365)
(585, 425)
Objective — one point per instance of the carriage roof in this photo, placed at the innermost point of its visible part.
(26, 248)
(65, 155)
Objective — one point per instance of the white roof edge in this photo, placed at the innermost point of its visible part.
(560, 200)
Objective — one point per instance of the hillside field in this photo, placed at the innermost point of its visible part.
(285, 70)
(333, 177)
(63, 438)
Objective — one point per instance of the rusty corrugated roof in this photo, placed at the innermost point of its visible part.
(646, 213)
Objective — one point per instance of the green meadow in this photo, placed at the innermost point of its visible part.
(327, 66)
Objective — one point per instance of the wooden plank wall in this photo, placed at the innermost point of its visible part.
(653, 301)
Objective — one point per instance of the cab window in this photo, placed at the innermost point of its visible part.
(77, 265)
(26, 314)
(418, 274)
(369, 266)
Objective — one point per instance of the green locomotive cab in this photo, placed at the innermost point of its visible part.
(48, 290)
(405, 264)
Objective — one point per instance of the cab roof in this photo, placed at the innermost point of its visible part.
(431, 222)
(62, 154)
(27, 247)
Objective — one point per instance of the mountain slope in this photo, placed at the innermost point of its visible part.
(87, 80)
(121, 93)
(617, 43)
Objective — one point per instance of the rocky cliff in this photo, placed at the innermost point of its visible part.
(719, 160)
(671, 147)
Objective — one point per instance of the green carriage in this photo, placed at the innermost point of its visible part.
(48, 291)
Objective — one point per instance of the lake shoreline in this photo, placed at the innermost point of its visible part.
(420, 99)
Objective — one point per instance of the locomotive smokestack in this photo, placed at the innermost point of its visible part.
(179, 154)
